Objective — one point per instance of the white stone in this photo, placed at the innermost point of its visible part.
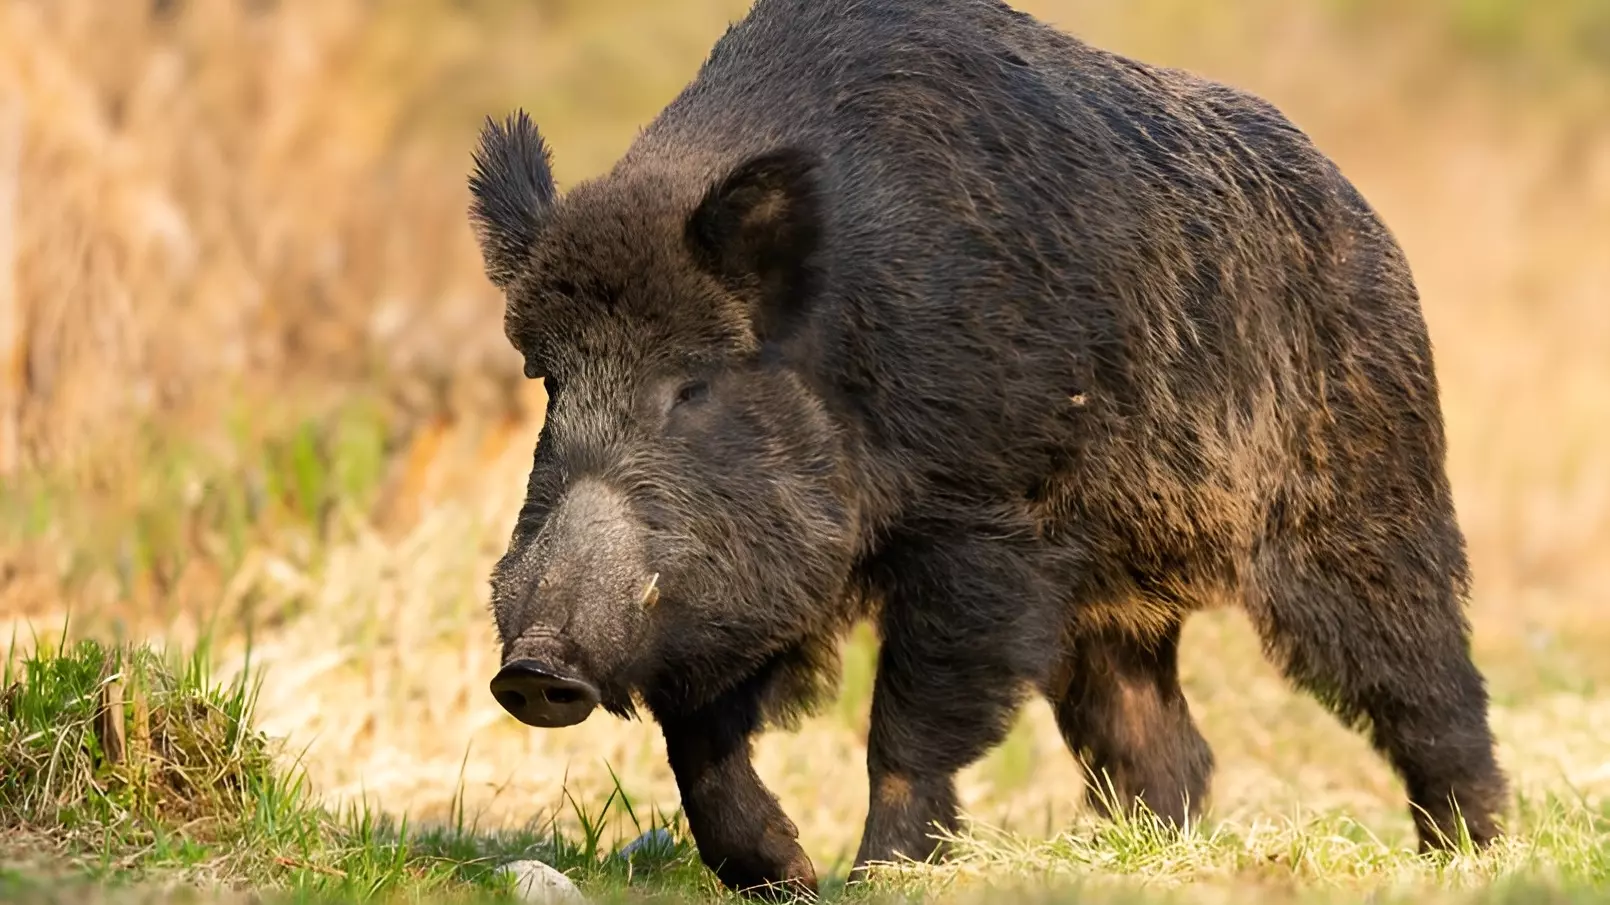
(657, 841)
(539, 884)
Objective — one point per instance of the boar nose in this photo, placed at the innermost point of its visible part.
(538, 696)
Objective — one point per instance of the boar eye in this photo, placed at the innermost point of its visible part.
(691, 392)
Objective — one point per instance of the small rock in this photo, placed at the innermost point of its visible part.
(540, 884)
(656, 842)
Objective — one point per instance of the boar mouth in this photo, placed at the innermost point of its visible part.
(539, 696)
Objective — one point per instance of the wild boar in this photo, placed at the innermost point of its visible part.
(922, 312)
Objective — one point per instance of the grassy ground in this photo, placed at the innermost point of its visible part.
(130, 768)
(226, 281)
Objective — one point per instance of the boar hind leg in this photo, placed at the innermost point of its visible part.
(951, 674)
(1118, 703)
(740, 829)
(1380, 637)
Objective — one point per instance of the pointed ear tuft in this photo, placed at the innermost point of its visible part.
(758, 231)
(513, 191)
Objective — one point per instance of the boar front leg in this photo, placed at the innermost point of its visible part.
(960, 642)
(741, 830)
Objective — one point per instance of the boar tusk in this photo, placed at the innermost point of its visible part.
(651, 594)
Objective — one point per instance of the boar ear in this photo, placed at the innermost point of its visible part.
(758, 230)
(513, 191)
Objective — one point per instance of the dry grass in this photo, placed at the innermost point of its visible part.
(239, 199)
(220, 201)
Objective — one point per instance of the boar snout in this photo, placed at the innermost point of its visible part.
(539, 696)
(572, 603)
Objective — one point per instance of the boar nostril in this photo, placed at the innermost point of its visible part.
(561, 695)
(512, 701)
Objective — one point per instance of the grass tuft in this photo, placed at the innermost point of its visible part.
(116, 738)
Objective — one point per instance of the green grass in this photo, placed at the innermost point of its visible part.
(124, 770)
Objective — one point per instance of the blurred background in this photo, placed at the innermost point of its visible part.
(254, 387)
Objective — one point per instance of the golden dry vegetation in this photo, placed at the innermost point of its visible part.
(255, 385)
